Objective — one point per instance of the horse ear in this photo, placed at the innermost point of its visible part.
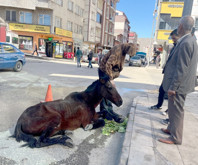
(102, 81)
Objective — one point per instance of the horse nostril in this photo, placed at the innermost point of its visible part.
(120, 102)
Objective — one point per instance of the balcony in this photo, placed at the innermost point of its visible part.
(46, 4)
(19, 4)
(31, 5)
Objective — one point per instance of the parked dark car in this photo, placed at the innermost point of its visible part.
(135, 61)
(11, 57)
(94, 59)
(143, 58)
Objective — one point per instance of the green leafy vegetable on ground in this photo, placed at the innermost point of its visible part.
(111, 127)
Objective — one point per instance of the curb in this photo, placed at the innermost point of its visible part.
(47, 58)
(128, 135)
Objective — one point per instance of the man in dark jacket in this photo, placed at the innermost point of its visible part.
(109, 69)
(90, 56)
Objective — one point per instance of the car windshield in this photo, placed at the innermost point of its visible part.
(142, 56)
(135, 57)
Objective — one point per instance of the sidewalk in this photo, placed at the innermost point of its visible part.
(141, 145)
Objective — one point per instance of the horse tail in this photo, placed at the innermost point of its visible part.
(21, 136)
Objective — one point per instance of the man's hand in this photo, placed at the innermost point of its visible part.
(171, 93)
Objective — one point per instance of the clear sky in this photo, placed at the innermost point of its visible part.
(139, 14)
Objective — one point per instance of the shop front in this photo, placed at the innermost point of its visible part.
(50, 45)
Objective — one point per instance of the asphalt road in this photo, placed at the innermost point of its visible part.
(28, 87)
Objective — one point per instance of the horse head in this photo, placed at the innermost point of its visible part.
(109, 92)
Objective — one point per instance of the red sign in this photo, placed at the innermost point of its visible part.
(68, 55)
(131, 34)
(2, 34)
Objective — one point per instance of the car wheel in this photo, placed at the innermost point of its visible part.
(18, 67)
(130, 64)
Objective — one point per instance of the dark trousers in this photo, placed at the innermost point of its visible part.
(34, 52)
(106, 105)
(161, 96)
(176, 116)
(90, 64)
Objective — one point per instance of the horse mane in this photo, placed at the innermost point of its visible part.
(92, 87)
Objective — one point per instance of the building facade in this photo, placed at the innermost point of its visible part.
(121, 26)
(55, 26)
(92, 24)
(58, 27)
(169, 12)
(99, 18)
(133, 37)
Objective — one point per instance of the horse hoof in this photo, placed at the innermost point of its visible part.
(68, 132)
(69, 143)
(88, 127)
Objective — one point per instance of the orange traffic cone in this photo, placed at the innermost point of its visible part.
(48, 96)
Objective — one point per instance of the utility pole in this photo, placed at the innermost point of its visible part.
(153, 24)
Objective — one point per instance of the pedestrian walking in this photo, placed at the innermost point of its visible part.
(90, 56)
(78, 56)
(157, 62)
(109, 69)
(35, 50)
(179, 79)
(100, 56)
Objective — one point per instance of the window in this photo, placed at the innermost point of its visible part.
(58, 22)
(93, 15)
(11, 15)
(77, 10)
(99, 18)
(7, 38)
(107, 14)
(41, 45)
(1, 49)
(92, 32)
(25, 42)
(75, 28)
(81, 12)
(25, 17)
(14, 40)
(59, 2)
(44, 19)
(112, 5)
(79, 29)
(100, 4)
(69, 25)
(70, 5)
(8, 49)
(94, 2)
(196, 23)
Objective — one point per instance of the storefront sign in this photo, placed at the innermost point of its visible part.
(175, 9)
(164, 35)
(29, 28)
(63, 32)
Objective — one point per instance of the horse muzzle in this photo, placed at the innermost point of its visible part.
(119, 103)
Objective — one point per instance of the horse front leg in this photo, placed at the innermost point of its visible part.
(93, 122)
(98, 123)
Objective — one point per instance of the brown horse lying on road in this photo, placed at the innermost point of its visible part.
(40, 122)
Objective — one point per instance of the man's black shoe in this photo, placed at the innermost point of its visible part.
(155, 107)
(110, 115)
